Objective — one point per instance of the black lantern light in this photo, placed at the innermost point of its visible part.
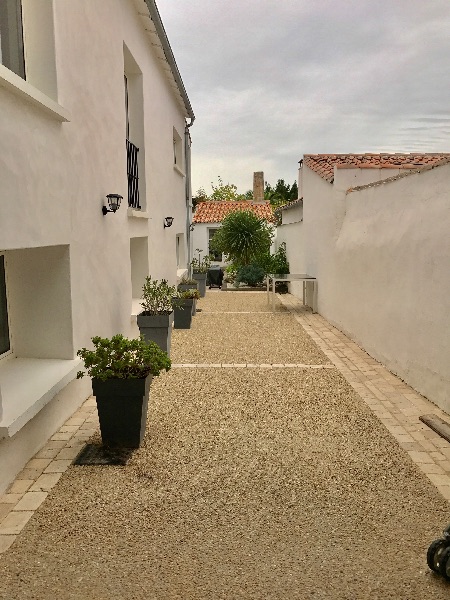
(168, 222)
(113, 203)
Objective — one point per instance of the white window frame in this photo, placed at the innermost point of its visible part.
(177, 149)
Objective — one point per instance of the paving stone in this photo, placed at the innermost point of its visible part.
(46, 482)
(31, 501)
(58, 466)
(20, 486)
(13, 523)
(6, 542)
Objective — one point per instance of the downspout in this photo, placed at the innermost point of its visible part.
(188, 192)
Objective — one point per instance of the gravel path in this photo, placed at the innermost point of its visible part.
(252, 484)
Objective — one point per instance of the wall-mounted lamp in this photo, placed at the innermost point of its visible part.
(191, 227)
(168, 222)
(113, 203)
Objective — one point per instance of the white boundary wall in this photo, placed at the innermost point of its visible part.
(382, 259)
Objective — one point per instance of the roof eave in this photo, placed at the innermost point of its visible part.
(169, 56)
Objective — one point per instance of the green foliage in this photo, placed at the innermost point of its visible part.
(122, 358)
(250, 274)
(277, 263)
(189, 294)
(281, 194)
(157, 297)
(242, 237)
(222, 192)
(200, 265)
(187, 281)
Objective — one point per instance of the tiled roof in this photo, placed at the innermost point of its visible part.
(323, 164)
(216, 211)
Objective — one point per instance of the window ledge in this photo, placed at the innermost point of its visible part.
(179, 171)
(27, 385)
(138, 214)
(23, 89)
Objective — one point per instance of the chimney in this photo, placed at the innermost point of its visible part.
(258, 187)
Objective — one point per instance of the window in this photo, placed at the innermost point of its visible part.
(4, 326)
(11, 36)
(177, 152)
(216, 256)
(134, 132)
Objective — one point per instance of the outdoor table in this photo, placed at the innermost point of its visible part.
(292, 277)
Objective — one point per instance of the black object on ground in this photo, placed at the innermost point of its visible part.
(438, 555)
(93, 454)
(214, 277)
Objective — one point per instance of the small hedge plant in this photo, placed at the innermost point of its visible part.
(251, 275)
(158, 297)
(123, 358)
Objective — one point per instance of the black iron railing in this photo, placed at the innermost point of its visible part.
(133, 175)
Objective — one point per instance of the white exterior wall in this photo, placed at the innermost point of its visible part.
(62, 149)
(200, 240)
(381, 256)
(291, 232)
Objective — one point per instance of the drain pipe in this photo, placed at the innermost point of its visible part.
(188, 191)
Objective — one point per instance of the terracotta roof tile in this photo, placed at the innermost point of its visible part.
(216, 211)
(323, 164)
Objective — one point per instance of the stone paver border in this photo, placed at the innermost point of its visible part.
(396, 405)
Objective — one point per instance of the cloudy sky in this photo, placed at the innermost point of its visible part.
(270, 80)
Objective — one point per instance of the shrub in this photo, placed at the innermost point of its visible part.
(122, 358)
(157, 297)
(250, 274)
(242, 237)
(200, 265)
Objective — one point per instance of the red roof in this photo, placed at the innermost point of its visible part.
(215, 211)
(323, 164)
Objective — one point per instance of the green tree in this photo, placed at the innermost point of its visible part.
(281, 194)
(222, 192)
(243, 237)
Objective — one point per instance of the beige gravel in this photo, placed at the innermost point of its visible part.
(218, 301)
(239, 338)
(252, 484)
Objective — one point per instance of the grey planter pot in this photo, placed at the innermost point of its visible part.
(122, 410)
(183, 314)
(201, 278)
(156, 328)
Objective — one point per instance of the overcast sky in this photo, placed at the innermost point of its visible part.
(271, 80)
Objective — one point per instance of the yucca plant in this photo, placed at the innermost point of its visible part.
(243, 237)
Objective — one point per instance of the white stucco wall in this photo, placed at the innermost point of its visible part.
(62, 149)
(381, 256)
(200, 240)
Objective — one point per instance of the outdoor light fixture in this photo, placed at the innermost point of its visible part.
(191, 227)
(168, 222)
(113, 203)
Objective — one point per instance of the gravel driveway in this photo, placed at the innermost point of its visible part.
(252, 483)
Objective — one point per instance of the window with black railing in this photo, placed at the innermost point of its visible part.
(133, 175)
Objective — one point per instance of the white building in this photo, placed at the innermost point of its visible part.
(91, 104)
(374, 230)
(208, 219)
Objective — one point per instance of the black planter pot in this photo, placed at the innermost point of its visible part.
(156, 328)
(201, 279)
(122, 410)
(183, 314)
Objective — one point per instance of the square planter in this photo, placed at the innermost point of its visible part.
(156, 328)
(122, 410)
(183, 314)
(201, 279)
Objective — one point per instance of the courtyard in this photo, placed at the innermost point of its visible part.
(280, 462)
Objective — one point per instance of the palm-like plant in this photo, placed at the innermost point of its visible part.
(243, 237)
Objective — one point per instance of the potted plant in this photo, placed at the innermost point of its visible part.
(200, 268)
(184, 308)
(188, 283)
(156, 319)
(122, 371)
